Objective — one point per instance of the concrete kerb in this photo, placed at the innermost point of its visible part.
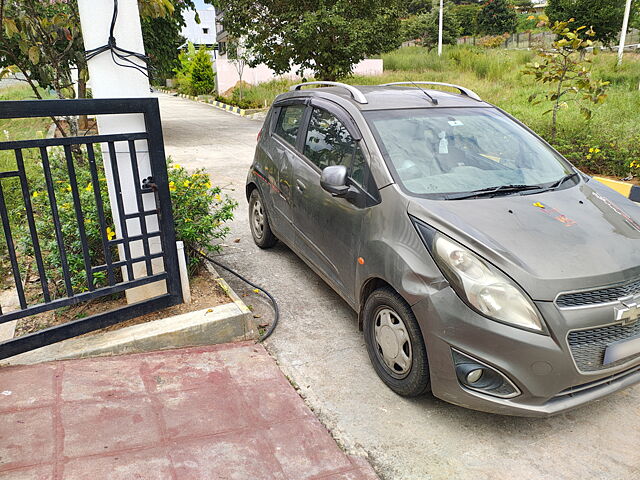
(231, 322)
(222, 106)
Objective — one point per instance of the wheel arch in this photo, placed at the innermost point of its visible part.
(250, 187)
(368, 287)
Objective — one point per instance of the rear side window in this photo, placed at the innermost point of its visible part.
(288, 123)
(328, 141)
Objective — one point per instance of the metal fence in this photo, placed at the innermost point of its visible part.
(144, 225)
(530, 40)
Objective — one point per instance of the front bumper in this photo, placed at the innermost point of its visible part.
(541, 366)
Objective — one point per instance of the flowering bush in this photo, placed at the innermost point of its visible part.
(200, 212)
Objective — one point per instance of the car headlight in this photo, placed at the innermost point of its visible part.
(480, 285)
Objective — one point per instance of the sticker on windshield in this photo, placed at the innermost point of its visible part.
(443, 146)
(455, 123)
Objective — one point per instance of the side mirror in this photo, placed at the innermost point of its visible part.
(334, 180)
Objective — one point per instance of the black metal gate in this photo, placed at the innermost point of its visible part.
(142, 225)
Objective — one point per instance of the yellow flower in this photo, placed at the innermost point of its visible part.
(89, 188)
(66, 206)
(591, 150)
(172, 186)
(187, 183)
(596, 150)
(217, 197)
(110, 233)
(36, 194)
(208, 184)
(176, 166)
(68, 188)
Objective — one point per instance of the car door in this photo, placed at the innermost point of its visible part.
(278, 169)
(328, 227)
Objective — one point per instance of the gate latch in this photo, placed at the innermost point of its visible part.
(149, 184)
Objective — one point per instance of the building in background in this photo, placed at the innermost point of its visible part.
(203, 33)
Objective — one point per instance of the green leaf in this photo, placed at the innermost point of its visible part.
(10, 27)
(34, 55)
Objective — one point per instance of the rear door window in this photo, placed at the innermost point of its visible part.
(288, 123)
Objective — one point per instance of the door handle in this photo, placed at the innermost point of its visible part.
(300, 186)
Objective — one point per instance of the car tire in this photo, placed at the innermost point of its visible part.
(259, 221)
(395, 344)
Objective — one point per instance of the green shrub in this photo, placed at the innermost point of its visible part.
(183, 72)
(69, 225)
(202, 78)
(200, 212)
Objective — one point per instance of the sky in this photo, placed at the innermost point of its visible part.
(200, 5)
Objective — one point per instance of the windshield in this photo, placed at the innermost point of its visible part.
(455, 150)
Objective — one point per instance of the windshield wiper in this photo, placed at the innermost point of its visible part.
(559, 183)
(483, 192)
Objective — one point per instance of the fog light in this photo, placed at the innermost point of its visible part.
(474, 375)
(477, 375)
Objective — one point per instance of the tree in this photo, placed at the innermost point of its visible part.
(467, 18)
(497, 17)
(162, 37)
(327, 38)
(202, 78)
(603, 16)
(565, 70)
(416, 7)
(240, 56)
(425, 27)
(43, 40)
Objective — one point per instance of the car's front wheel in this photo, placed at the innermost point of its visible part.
(395, 344)
(259, 221)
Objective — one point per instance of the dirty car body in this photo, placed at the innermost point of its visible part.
(521, 274)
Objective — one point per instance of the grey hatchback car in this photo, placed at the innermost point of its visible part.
(483, 266)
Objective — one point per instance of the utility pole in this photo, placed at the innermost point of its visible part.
(623, 33)
(110, 80)
(440, 28)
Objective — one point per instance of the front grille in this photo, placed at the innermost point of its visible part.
(601, 295)
(588, 346)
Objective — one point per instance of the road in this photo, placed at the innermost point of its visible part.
(319, 347)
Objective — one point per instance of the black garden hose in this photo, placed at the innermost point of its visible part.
(274, 303)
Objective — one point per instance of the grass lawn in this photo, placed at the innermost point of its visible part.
(496, 75)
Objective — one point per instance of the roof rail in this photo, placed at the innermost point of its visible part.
(464, 91)
(355, 93)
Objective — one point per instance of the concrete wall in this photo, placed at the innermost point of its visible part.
(194, 32)
(227, 75)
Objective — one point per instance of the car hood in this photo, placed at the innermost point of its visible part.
(572, 239)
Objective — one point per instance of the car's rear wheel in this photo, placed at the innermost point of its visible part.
(259, 221)
(395, 344)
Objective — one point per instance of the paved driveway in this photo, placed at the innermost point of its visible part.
(319, 347)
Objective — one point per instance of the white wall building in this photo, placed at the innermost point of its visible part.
(203, 33)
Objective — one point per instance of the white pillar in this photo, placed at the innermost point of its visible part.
(440, 15)
(109, 80)
(623, 33)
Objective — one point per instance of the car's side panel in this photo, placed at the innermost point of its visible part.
(392, 251)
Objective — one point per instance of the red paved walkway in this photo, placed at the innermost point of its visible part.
(222, 412)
